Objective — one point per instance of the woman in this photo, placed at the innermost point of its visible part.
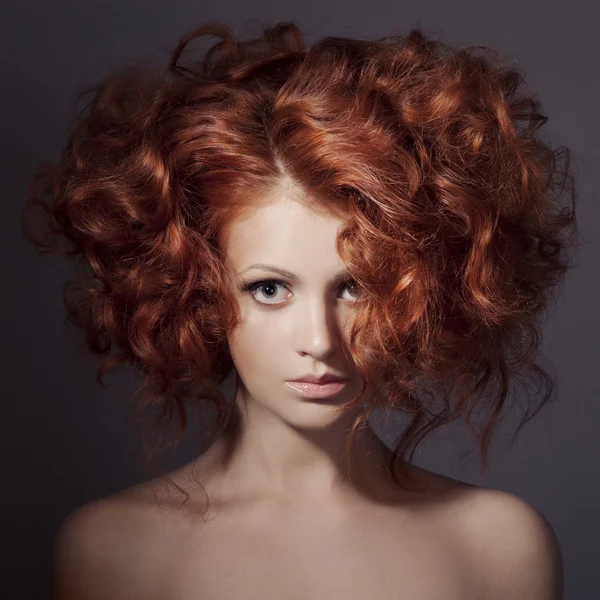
(379, 214)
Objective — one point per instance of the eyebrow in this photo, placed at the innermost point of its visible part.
(338, 275)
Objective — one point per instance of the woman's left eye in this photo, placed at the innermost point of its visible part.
(351, 284)
(273, 284)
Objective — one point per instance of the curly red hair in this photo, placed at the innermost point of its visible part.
(454, 235)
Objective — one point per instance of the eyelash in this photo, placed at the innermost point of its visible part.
(252, 286)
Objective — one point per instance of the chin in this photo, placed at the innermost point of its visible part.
(315, 413)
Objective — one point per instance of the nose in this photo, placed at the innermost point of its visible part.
(316, 329)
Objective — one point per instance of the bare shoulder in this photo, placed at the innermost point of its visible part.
(112, 548)
(89, 548)
(512, 544)
(506, 543)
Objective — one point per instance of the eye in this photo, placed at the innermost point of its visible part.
(351, 285)
(268, 289)
(268, 285)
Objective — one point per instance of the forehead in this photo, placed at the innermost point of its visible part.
(286, 233)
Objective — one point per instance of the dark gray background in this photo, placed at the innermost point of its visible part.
(65, 439)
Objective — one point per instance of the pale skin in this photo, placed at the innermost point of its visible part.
(286, 522)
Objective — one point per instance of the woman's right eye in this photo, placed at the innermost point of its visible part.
(265, 285)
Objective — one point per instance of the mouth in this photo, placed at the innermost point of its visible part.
(317, 390)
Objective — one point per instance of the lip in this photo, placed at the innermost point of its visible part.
(326, 378)
(317, 390)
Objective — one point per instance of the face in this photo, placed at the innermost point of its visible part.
(292, 324)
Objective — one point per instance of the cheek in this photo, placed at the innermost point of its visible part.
(258, 347)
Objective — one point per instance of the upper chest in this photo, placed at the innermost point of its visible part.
(375, 555)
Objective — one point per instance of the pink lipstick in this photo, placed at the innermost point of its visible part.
(317, 390)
